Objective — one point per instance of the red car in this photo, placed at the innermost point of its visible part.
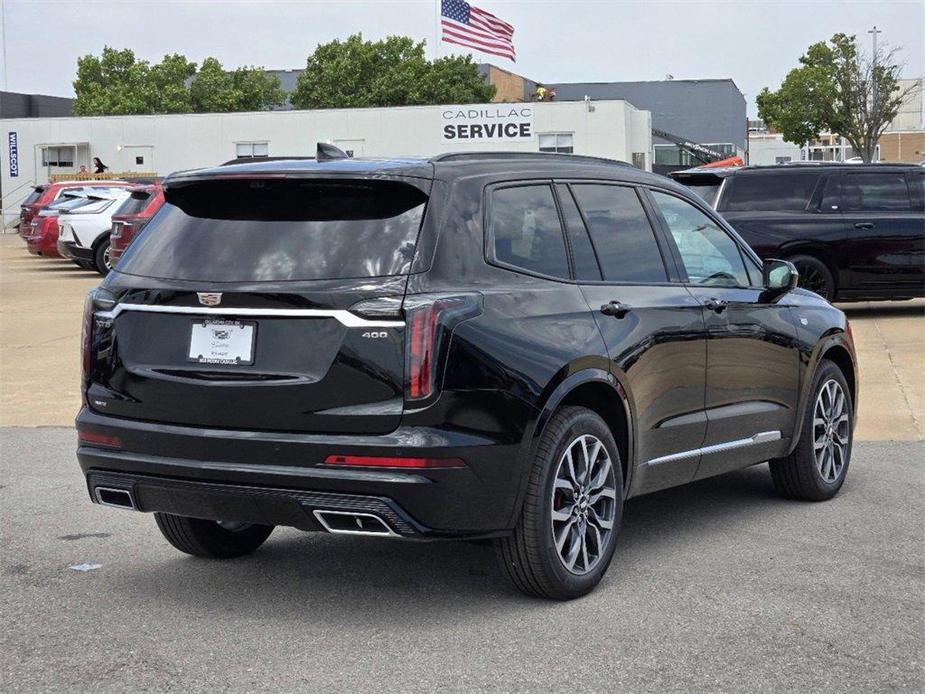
(49, 192)
(41, 235)
(134, 214)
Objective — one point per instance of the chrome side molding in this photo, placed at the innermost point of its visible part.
(760, 437)
(349, 320)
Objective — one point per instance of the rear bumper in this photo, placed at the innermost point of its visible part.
(70, 249)
(278, 478)
(43, 245)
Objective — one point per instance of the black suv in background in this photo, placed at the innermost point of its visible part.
(499, 346)
(853, 231)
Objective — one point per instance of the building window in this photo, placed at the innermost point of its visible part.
(557, 142)
(58, 156)
(671, 155)
(782, 160)
(639, 160)
(252, 149)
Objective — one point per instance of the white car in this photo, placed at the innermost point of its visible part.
(83, 234)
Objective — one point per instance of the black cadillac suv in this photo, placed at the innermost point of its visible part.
(493, 346)
(853, 231)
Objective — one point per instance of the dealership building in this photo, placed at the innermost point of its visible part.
(35, 150)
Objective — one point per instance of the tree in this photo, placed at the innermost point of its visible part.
(390, 72)
(166, 89)
(836, 89)
(214, 90)
(113, 84)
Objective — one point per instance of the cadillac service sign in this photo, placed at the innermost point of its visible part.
(480, 123)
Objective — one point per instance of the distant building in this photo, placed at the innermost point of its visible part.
(16, 105)
(709, 112)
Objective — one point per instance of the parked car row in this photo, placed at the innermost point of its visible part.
(76, 219)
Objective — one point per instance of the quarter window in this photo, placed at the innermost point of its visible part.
(876, 192)
(526, 232)
(621, 233)
(708, 253)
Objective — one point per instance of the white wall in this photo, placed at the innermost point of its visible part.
(613, 129)
(763, 149)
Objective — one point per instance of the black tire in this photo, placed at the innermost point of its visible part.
(205, 538)
(529, 556)
(101, 257)
(798, 476)
(815, 276)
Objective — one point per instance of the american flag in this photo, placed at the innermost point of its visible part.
(467, 25)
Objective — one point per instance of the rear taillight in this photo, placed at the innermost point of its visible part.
(429, 323)
(97, 300)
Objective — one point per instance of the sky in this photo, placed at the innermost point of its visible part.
(753, 42)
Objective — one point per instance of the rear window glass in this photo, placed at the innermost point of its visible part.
(526, 231)
(707, 192)
(789, 191)
(33, 196)
(135, 203)
(280, 230)
(621, 233)
(876, 192)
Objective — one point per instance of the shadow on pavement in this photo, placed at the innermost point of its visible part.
(898, 309)
(341, 580)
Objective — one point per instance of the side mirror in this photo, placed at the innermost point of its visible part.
(779, 275)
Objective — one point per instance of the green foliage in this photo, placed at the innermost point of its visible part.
(214, 90)
(115, 83)
(391, 72)
(836, 89)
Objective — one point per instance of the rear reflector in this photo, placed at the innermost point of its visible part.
(377, 461)
(98, 439)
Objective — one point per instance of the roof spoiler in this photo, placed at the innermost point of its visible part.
(327, 152)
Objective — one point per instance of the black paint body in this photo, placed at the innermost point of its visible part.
(669, 375)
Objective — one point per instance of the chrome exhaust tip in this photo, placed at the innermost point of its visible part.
(118, 498)
(353, 523)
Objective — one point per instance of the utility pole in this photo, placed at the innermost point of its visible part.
(873, 32)
(874, 107)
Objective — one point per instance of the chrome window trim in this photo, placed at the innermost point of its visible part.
(760, 437)
(350, 320)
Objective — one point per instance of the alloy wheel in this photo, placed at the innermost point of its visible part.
(831, 431)
(107, 260)
(813, 280)
(583, 504)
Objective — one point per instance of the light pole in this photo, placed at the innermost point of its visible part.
(873, 78)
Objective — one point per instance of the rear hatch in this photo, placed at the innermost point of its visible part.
(704, 182)
(268, 304)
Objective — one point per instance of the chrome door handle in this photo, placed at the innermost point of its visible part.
(717, 305)
(615, 308)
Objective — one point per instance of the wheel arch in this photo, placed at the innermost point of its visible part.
(601, 392)
(837, 348)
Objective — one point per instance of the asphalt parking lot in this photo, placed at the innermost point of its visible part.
(718, 586)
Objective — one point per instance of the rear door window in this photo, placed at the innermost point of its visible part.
(32, 197)
(621, 233)
(788, 191)
(586, 267)
(280, 230)
(526, 232)
(876, 192)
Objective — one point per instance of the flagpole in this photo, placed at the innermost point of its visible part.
(436, 29)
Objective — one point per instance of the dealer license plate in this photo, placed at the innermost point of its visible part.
(222, 342)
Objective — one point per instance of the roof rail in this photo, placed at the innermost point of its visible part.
(526, 156)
